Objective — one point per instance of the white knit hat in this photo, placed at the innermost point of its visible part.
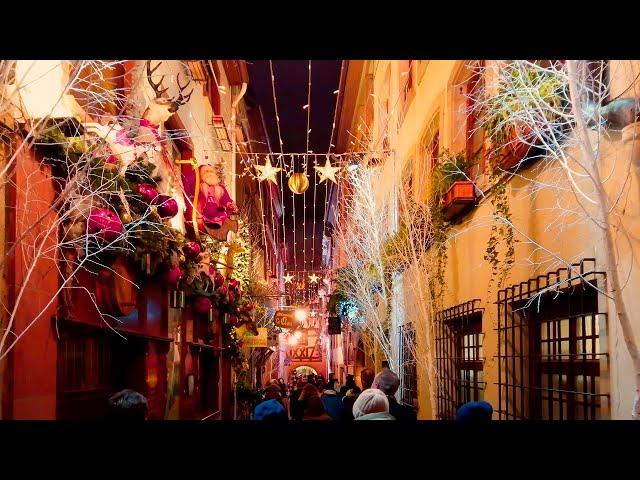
(371, 400)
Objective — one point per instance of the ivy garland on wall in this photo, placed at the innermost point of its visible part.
(450, 168)
(501, 232)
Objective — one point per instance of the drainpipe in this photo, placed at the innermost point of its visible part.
(234, 106)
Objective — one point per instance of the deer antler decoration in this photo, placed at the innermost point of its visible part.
(175, 102)
(180, 99)
(155, 86)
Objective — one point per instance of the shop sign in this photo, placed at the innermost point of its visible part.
(259, 340)
(285, 319)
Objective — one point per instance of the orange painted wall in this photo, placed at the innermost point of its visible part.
(33, 378)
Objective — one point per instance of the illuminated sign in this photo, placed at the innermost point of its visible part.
(285, 319)
(259, 340)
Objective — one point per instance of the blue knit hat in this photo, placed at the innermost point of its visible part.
(270, 410)
(474, 411)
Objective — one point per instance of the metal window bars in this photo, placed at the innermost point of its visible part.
(459, 357)
(408, 369)
(550, 346)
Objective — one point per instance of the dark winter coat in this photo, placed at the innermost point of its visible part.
(403, 413)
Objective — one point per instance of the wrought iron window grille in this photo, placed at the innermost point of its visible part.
(459, 357)
(551, 346)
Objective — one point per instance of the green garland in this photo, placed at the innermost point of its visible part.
(242, 259)
(500, 229)
(450, 168)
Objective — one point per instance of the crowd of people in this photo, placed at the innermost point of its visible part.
(313, 398)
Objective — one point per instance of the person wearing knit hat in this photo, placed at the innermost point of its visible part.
(372, 404)
(270, 410)
(475, 412)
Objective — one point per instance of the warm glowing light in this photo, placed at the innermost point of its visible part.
(267, 171)
(298, 183)
(297, 334)
(327, 171)
(42, 86)
(293, 341)
(300, 315)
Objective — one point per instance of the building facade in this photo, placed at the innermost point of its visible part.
(68, 359)
(544, 344)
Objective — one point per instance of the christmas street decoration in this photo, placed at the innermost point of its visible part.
(298, 183)
(327, 171)
(267, 171)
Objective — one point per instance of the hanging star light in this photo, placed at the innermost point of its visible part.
(327, 171)
(267, 171)
(287, 278)
(314, 278)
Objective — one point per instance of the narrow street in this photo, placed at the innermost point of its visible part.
(334, 240)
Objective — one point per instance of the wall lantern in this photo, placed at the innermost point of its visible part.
(221, 132)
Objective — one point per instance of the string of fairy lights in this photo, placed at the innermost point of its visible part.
(329, 167)
(304, 194)
(304, 278)
(266, 167)
(281, 145)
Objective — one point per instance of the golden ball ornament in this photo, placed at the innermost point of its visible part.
(298, 183)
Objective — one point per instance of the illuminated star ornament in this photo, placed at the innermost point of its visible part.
(314, 278)
(327, 172)
(287, 278)
(267, 171)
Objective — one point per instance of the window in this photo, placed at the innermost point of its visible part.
(407, 186)
(406, 86)
(431, 145)
(549, 353)
(459, 357)
(474, 134)
(434, 148)
(214, 81)
(369, 104)
(85, 363)
(468, 136)
(384, 110)
(408, 371)
(429, 150)
(85, 374)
